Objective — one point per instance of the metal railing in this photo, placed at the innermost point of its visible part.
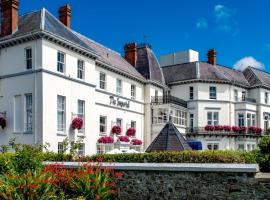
(168, 99)
(201, 130)
(245, 99)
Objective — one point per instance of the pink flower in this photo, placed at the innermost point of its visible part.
(218, 128)
(77, 123)
(106, 140)
(227, 128)
(116, 130)
(236, 129)
(136, 142)
(209, 128)
(131, 132)
(123, 139)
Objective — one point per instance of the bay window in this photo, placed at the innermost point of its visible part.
(212, 118)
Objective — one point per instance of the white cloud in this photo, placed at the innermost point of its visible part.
(201, 23)
(224, 19)
(248, 61)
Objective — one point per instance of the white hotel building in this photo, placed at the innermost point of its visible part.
(50, 74)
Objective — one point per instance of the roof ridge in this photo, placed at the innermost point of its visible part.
(42, 21)
(30, 12)
(251, 69)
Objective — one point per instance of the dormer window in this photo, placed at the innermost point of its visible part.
(28, 58)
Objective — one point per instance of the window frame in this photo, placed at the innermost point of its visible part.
(81, 114)
(119, 86)
(28, 60)
(63, 111)
(60, 62)
(214, 119)
(235, 95)
(28, 123)
(103, 125)
(102, 82)
(241, 119)
(191, 92)
(81, 149)
(133, 91)
(133, 124)
(266, 97)
(60, 147)
(212, 92)
(80, 69)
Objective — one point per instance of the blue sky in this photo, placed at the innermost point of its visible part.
(239, 30)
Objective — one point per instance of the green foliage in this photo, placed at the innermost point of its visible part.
(178, 157)
(263, 156)
(6, 162)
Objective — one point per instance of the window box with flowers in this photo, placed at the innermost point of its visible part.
(105, 144)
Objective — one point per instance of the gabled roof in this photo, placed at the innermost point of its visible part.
(147, 64)
(43, 20)
(203, 71)
(169, 139)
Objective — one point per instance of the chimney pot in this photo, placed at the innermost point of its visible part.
(9, 16)
(211, 55)
(65, 15)
(131, 53)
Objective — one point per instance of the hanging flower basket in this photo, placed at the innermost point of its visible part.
(123, 139)
(116, 130)
(131, 132)
(136, 142)
(77, 123)
(105, 140)
(3, 122)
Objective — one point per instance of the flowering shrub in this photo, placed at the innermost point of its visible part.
(136, 142)
(116, 130)
(255, 130)
(105, 140)
(131, 132)
(56, 182)
(3, 122)
(77, 123)
(236, 129)
(227, 128)
(218, 128)
(209, 128)
(243, 129)
(123, 139)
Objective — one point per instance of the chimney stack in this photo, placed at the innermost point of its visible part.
(131, 53)
(65, 15)
(211, 55)
(9, 16)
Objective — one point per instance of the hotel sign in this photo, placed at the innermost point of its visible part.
(116, 101)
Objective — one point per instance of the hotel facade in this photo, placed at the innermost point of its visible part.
(50, 74)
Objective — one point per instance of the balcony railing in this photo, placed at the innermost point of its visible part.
(168, 99)
(244, 99)
(202, 131)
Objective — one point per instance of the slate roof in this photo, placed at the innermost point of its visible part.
(43, 20)
(147, 64)
(169, 139)
(203, 71)
(257, 77)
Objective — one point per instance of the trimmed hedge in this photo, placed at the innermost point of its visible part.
(166, 157)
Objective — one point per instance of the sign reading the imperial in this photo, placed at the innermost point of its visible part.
(117, 102)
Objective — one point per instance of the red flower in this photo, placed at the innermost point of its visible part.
(218, 128)
(116, 130)
(227, 128)
(123, 139)
(106, 140)
(77, 123)
(243, 129)
(136, 142)
(3, 122)
(236, 129)
(131, 132)
(209, 128)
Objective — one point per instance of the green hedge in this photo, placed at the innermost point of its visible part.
(170, 157)
(263, 155)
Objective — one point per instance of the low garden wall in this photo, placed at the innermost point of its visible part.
(188, 180)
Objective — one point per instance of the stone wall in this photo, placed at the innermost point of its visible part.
(192, 185)
(194, 181)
